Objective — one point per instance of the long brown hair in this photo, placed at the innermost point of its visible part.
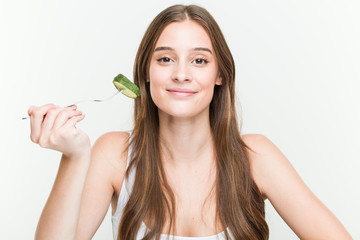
(239, 204)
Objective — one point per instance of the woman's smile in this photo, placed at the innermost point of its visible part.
(181, 92)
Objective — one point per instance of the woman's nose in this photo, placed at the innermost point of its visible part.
(181, 72)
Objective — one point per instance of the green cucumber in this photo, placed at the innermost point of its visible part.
(126, 87)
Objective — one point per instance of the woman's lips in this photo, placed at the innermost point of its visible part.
(181, 92)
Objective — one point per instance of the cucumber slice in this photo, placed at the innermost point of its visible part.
(126, 87)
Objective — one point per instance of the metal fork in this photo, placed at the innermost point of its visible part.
(85, 100)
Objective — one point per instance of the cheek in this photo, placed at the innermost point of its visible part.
(155, 79)
(156, 75)
(155, 93)
(206, 82)
(207, 86)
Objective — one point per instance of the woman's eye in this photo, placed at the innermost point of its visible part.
(164, 60)
(200, 61)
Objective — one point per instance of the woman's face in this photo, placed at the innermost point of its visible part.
(183, 70)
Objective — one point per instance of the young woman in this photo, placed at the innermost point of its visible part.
(184, 170)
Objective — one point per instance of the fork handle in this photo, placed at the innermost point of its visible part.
(86, 100)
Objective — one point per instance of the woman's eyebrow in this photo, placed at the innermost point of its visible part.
(164, 48)
(201, 49)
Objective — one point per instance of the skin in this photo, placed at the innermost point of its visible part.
(90, 179)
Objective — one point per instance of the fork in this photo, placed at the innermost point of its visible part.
(85, 100)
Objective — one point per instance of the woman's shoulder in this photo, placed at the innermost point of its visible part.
(113, 138)
(110, 153)
(259, 147)
(112, 144)
(266, 160)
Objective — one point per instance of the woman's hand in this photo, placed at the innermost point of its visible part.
(54, 127)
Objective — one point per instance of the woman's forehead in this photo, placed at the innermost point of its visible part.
(184, 35)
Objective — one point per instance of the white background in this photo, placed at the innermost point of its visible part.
(298, 73)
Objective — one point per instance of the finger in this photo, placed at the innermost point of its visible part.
(63, 117)
(31, 108)
(36, 118)
(49, 120)
(51, 116)
(73, 121)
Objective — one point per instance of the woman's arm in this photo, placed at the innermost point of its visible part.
(104, 180)
(83, 187)
(306, 215)
(60, 215)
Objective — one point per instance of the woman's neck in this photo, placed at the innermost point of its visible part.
(186, 141)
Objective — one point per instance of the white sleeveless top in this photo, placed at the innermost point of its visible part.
(124, 197)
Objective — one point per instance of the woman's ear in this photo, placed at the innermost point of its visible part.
(218, 80)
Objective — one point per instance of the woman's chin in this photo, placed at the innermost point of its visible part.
(180, 113)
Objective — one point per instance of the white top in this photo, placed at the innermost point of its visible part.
(124, 197)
